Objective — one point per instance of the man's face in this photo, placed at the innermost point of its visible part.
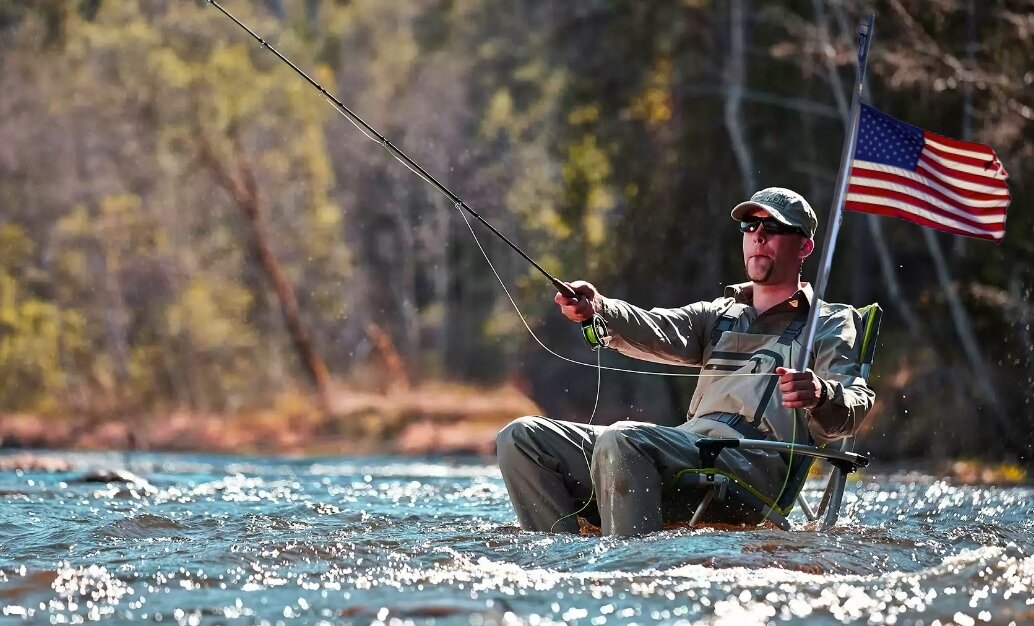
(774, 259)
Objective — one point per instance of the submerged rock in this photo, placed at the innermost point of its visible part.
(119, 483)
(111, 476)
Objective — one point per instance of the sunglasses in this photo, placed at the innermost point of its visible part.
(771, 226)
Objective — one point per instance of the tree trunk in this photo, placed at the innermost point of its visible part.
(442, 221)
(116, 321)
(735, 84)
(276, 7)
(969, 343)
(859, 251)
(312, 13)
(404, 289)
(244, 189)
(959, 247)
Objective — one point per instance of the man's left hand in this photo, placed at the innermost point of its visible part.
(801, 390)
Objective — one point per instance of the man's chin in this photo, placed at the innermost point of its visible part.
(760, 276)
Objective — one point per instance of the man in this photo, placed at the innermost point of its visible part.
(745, 343)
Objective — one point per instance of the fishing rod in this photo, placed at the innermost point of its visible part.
(593, 329)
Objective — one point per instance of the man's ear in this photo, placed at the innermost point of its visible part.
(807, 247)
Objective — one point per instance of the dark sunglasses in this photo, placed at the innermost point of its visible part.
(770, 224)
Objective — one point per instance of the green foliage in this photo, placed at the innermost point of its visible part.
(593, 134)
(147, 257)
(36, 336)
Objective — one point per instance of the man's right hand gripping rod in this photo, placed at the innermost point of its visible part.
(594, 329)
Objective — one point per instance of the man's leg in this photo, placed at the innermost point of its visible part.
(545, 466)
(630, 465)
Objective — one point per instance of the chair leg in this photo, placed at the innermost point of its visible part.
(828, 491)
(808, 512)
(702, 506)
(836, 497)
(776, 518)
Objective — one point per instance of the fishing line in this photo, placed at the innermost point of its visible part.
(793, 445)
(585, 455)
(459, 206)
(599, 379)
(371, 133)
(597, 365)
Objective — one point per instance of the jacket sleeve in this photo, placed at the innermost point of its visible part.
(662, 335)
(837, 345)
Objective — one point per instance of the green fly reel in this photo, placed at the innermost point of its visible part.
(595, 331)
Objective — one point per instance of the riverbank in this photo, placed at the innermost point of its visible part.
(425, 419)
(429, 419)
(956, 472)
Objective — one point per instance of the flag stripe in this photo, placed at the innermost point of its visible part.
(956, 165)
(948, 156)
(951, 175)
(933, 141)
(907, 185)
(957, 191)
(881, 209)
(957, 144)
(905, 208)
(920, 202)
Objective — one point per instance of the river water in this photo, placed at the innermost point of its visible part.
(239, 540)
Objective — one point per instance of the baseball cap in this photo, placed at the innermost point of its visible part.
(789, 207)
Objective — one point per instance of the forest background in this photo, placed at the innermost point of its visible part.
(197, 252)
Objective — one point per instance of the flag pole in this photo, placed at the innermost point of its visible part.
(843, 178)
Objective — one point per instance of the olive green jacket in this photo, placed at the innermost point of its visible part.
(754, 344)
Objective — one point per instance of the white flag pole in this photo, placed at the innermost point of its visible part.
(837, 210)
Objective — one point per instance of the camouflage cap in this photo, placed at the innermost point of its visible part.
(789, 207)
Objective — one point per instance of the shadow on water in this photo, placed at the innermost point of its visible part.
(245, 540)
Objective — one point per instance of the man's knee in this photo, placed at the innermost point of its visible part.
(513, 434)
(616, 442)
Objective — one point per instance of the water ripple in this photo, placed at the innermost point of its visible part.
(213, 540)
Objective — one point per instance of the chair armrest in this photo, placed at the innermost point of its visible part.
(710, 448)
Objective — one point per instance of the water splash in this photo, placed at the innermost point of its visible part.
(385, 540)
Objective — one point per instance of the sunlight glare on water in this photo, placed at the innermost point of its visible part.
(209, 540)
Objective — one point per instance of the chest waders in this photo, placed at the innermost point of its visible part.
(733, 351)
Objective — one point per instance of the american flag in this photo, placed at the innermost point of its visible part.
(907, 172)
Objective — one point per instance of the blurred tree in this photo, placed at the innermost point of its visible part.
(142, 207)
(36, 336)
(926, 69)
(608, 138)
(244, 189)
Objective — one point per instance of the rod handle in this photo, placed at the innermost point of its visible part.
(594, 329)
(564, 289)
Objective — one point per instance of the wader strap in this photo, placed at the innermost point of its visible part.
(726, 322)
(794, 328)
(738, 423)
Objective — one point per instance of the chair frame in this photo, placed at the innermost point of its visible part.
(844, 461)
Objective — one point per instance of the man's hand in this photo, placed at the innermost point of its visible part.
(801, 390)
(579, 309)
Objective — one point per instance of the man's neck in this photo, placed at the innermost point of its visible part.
(767, 296)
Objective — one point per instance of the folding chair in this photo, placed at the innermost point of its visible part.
(727, 498)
